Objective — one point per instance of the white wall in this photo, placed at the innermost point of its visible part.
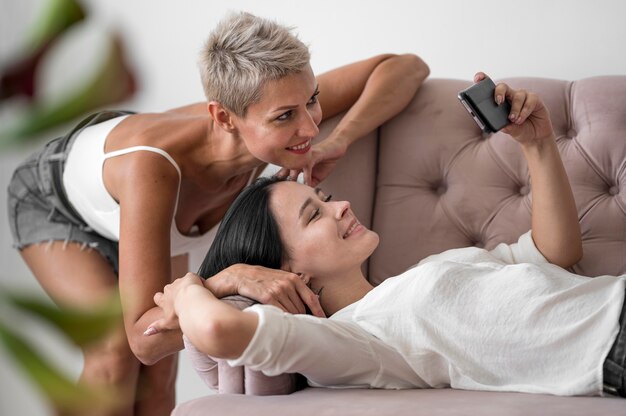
(567, 39)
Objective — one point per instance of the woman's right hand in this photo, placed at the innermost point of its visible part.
(285, 290)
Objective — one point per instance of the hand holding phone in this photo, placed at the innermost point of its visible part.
(480, 102)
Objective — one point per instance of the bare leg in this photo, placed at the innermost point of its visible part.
(156, 394)
(83, 278)
(156, 389)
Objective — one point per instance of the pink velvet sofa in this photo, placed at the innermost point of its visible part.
(428, 181)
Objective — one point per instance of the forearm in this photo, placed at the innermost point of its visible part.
(212, 326)
(388, 90)
(151, 349)
(555, 227)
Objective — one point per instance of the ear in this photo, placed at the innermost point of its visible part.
(221, 116)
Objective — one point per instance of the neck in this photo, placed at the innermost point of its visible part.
(228, 154)
(337, 293)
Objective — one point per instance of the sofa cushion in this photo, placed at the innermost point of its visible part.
(442, 184)
(358, 402)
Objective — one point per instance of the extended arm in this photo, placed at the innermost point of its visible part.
(555, 227)
(327, 352)
(214, 327)
(147, 196)
(371, 92)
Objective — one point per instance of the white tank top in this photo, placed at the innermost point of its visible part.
(84, 185)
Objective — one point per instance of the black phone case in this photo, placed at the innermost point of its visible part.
(479, 101)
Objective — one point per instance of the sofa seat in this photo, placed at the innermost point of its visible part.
(356, 402)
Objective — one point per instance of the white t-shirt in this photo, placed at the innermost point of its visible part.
(499, 320)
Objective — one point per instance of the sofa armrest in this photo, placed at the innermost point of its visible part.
(220, 376)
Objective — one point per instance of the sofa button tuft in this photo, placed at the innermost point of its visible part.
(613, 190)
(440, 189)
(524, 190)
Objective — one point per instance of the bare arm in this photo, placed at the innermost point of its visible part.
(147, 196)
(212, 326)
(555, 227)
(370, 92)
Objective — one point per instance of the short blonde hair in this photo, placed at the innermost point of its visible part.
(242, 53)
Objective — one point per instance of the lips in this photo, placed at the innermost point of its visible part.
(301, 147)
(353, 226)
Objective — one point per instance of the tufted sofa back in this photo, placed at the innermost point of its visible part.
(428, 181)
(432, 181)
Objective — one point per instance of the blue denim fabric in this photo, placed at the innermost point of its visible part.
(614, 373)
(39, 211)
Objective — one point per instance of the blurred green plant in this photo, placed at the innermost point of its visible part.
(78, 326)
(113, 82)
(18, 78)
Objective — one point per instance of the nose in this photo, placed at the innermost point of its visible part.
(341, 207)
(307, 127)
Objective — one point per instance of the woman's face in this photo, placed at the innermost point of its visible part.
(323, 238)
(279, 128)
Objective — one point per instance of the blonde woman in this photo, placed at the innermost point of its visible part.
(119, 201)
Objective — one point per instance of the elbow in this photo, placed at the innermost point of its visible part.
(140, 349)
(575, 255)
(575, 251)
(212, 339)
(569, 257)
(415, 67)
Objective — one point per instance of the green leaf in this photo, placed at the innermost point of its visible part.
(113, 82)
(55, 19)
(80, 326)
(58, 388)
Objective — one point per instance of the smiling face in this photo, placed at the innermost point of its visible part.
(279, 128)
(323, 238)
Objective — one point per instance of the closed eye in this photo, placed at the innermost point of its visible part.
(316, 211)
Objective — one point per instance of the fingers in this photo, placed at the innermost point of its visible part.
(286, 293)
(479, 76)
(308, 173)
(288, 174)
(158, 297)
(299, 294)
(523, 104)
(154, 328)
(310, 298)
(285, 290)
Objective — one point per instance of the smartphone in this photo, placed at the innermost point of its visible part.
(480, 102)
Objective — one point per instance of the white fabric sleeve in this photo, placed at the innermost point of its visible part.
(524, 251)
(327, 352)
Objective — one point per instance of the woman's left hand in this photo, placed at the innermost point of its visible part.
(322, 160)
(324, 157)
(166, 301)
(529, 118)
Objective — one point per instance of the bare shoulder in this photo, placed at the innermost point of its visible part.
(196, 109)
(136, 174)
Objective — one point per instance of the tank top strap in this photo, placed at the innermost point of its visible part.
(146, 148)
(153, 150)
(252, 176)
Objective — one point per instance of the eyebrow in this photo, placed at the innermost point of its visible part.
(308, 202)
(292, 106)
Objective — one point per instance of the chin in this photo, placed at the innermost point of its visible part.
(375, 239)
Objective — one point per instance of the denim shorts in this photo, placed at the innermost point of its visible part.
(614, 370)
(39, 211)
